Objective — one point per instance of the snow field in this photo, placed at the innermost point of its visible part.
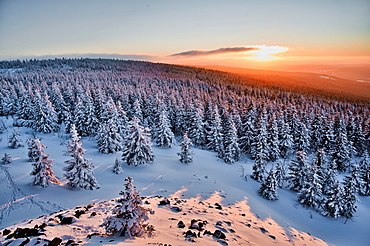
(166, 176)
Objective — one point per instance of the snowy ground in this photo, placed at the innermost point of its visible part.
(236, 225)
(205, 178)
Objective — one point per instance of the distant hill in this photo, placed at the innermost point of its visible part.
(307, 82)
(354, 72)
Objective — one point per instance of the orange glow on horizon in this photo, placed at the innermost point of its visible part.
(265, 53)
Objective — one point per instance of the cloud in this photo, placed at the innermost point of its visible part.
(193, 53)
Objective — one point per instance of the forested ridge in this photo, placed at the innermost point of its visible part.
(120, 102)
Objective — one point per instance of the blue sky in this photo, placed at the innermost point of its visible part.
(157, 29)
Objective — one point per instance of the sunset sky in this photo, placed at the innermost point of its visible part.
(238, 33)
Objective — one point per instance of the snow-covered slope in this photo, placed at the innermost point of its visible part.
(181, 222)
(207, 179)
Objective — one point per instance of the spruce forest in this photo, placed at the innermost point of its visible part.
(315, 146)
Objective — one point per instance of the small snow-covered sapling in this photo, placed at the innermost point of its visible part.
(6, 159)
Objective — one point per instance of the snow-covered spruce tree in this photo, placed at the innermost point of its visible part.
(260, 143)
(359, 140)
(351, 126)
(230, 152)
(129, 216)
(227, 154)
(293, 120)
(67, 122)
(179, 128)
(9, 101)
(317, 132)
(15, 141)
(273, 140)
(286, 141)
(91, 123)
(311, 192)
(79, 170)
(7, 159)
(72, 147)
(280, 174)
(349, 198)
(235, 116)
(85, 117)
(328, 138)
(340, 154)
(109, 111)
(137, 148)
(151, 108)
(268, 188)
(329, 180)
(338, 126)
(341, 202)
(320, 162)
(333, 205)
(33, 149)
(46, 119)
(117, 167)
(186, 154)
(63, 112)
(303, 141)
(24, 101)
(259, 167)
(99, 98)
(365, 174)
(25, 108)
(247, 132)
(108, 138)
(136, 110)
(79, 117)
(164, 136)
(357, 137)
(121, 120)
(72, 142)
(214, 134)
(208, 118)
(6, 105)
(325, 173)
(354, 175)
(195, 126)
(61, 107)
(297, 171)
(42, 172)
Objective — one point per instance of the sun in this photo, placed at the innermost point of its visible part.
(265, 53)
